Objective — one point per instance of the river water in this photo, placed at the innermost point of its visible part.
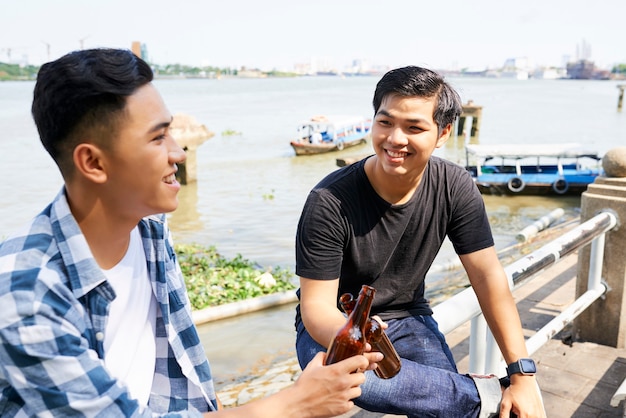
(251, 187)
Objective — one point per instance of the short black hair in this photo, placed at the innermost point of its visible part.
(84, 92)
(421, 82)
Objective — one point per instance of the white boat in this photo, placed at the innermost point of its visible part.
(322, 134)
(553, 169)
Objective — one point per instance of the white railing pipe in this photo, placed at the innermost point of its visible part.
(464, 306)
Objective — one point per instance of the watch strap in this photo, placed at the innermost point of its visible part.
(524, 366)
(513, 368)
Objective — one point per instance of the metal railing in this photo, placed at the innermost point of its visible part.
(485, 356)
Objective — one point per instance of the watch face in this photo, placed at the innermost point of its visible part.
(528, 366)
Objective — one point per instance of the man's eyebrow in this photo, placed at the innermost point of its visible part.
(387, 114)
(161, 125)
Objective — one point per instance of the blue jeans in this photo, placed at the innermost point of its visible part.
(428, 384)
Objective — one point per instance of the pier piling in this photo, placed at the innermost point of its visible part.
(189, 135)
(473, 111)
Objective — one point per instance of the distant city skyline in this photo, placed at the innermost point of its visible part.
(281, 34)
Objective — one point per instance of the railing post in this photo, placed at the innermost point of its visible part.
(478, 338)
(604, 322)
(494, 363)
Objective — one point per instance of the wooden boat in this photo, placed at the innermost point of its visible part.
(552, 169)
(322, 134)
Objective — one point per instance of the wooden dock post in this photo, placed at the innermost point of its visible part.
(620, 99)
(470, 110)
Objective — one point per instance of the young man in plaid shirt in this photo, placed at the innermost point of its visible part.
(95, 316)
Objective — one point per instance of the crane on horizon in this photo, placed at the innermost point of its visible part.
(47, 49)
(82, 42)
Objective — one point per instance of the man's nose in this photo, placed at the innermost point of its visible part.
(397, 136)
(176, 153)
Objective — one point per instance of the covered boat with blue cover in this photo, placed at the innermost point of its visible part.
(536, 169)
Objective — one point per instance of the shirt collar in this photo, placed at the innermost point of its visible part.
(83, 271)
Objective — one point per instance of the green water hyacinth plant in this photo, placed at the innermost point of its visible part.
(213, 280)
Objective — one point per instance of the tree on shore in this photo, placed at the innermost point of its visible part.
(17, 72)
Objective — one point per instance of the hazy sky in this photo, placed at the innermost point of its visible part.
(278, 33)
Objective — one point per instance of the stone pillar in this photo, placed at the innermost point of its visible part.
(620, 99)
(190, 135)
(604, 322)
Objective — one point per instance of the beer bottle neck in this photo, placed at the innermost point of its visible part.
(361, 311)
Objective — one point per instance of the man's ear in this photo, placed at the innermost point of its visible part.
(89, 162)
(444, 136)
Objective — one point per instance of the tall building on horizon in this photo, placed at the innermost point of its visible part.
(140, 50)
(583, 51)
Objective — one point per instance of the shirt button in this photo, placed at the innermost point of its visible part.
(99, 336)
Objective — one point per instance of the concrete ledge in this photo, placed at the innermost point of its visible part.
(249, 305)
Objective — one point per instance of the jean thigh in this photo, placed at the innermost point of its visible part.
(306, 346)
(417, 338)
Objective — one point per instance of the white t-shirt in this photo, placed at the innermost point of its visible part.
(129, 339)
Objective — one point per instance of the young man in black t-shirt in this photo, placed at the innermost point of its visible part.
(381, 222)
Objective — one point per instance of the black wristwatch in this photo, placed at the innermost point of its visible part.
(524, 366)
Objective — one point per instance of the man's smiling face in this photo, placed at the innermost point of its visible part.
(404, 134)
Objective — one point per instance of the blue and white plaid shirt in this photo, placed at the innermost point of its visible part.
(54, 301)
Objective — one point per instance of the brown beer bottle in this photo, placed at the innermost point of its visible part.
(376, 336)
(350, 339)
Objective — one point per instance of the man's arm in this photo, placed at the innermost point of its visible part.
(322, 318)
(496, 301)
(321, 391)
(318, 307)
(490, 284)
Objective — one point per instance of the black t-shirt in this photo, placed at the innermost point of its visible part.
(347, 230)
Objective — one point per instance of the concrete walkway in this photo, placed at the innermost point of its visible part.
(577, 378)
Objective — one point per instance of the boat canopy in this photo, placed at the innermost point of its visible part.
(566, 150)
(337, 121)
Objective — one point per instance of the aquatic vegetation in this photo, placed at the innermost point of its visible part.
(231, 132)
(212, 279)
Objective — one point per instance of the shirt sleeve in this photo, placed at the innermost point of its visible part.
(319, 238)
(469, 228)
